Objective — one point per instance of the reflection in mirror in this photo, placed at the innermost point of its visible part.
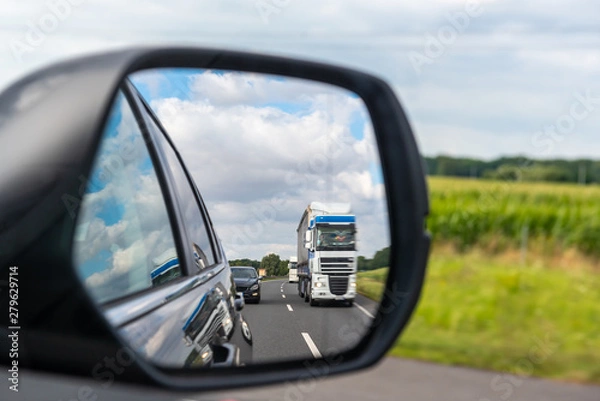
(286, 173)
(123, 242)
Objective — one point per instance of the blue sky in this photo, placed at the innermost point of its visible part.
(172, 83)
(107, 176)
(113, 208)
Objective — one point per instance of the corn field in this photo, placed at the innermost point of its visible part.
(554, 216)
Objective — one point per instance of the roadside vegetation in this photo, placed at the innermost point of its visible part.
(549, 218)
(371, 283)
(501, 297)
(272, 265)
(516, 169)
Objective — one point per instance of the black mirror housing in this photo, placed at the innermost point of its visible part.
(41, 186)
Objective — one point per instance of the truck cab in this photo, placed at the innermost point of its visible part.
(327, 260)
(293, 270)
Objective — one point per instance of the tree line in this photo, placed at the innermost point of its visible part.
(272, 263)
(380, 259)
(583, 171)
(275, 266)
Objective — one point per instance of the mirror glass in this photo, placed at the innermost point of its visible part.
(234, 218)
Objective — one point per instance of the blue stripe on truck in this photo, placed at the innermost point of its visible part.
(335, 219)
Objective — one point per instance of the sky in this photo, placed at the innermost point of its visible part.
(476, 78)
(123, 231)
(261, 148)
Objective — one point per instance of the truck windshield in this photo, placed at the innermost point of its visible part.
(335, 238)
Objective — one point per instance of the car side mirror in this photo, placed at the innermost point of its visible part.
(101, 214)
(239, 301)
(260, 278)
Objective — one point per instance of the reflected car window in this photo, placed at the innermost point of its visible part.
(195, 224)
(123, 240)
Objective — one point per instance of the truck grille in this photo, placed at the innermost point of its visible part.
(338, 285)
(337, 265)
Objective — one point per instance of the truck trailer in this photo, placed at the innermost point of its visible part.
(327, 253)
(292, 270)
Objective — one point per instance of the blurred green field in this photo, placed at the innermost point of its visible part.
(370, 283)
(486, 306)
(485, 314)
(494, 214)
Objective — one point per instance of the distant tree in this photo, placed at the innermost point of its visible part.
(554, 173)
(506, 172)
(283, 268)
(381, 259)
(271, 264)
(516, 168)
(362, 263)
(245, 262)
(557, 172)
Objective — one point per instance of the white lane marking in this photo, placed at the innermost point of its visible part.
(363, 310)
(283, 295)
(290, 307)
(311, 345)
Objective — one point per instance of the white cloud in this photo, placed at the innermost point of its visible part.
(258, 164)
(123, 222)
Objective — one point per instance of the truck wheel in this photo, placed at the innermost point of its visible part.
(313, 302)
(306, 295)
(300, 293)
(349, 303)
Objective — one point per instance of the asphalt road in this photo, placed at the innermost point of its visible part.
(285, 327)
(277, 331)
(393, 379)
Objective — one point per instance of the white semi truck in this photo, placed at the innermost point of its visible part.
(327, 253)
(293, 270)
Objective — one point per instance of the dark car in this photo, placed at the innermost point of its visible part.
(247, 281)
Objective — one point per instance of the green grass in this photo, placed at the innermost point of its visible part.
(485, 303)
(489, 314)
(371, 283)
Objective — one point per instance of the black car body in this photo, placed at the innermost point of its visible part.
(202, 311)
(178, 309)
(247, 281)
